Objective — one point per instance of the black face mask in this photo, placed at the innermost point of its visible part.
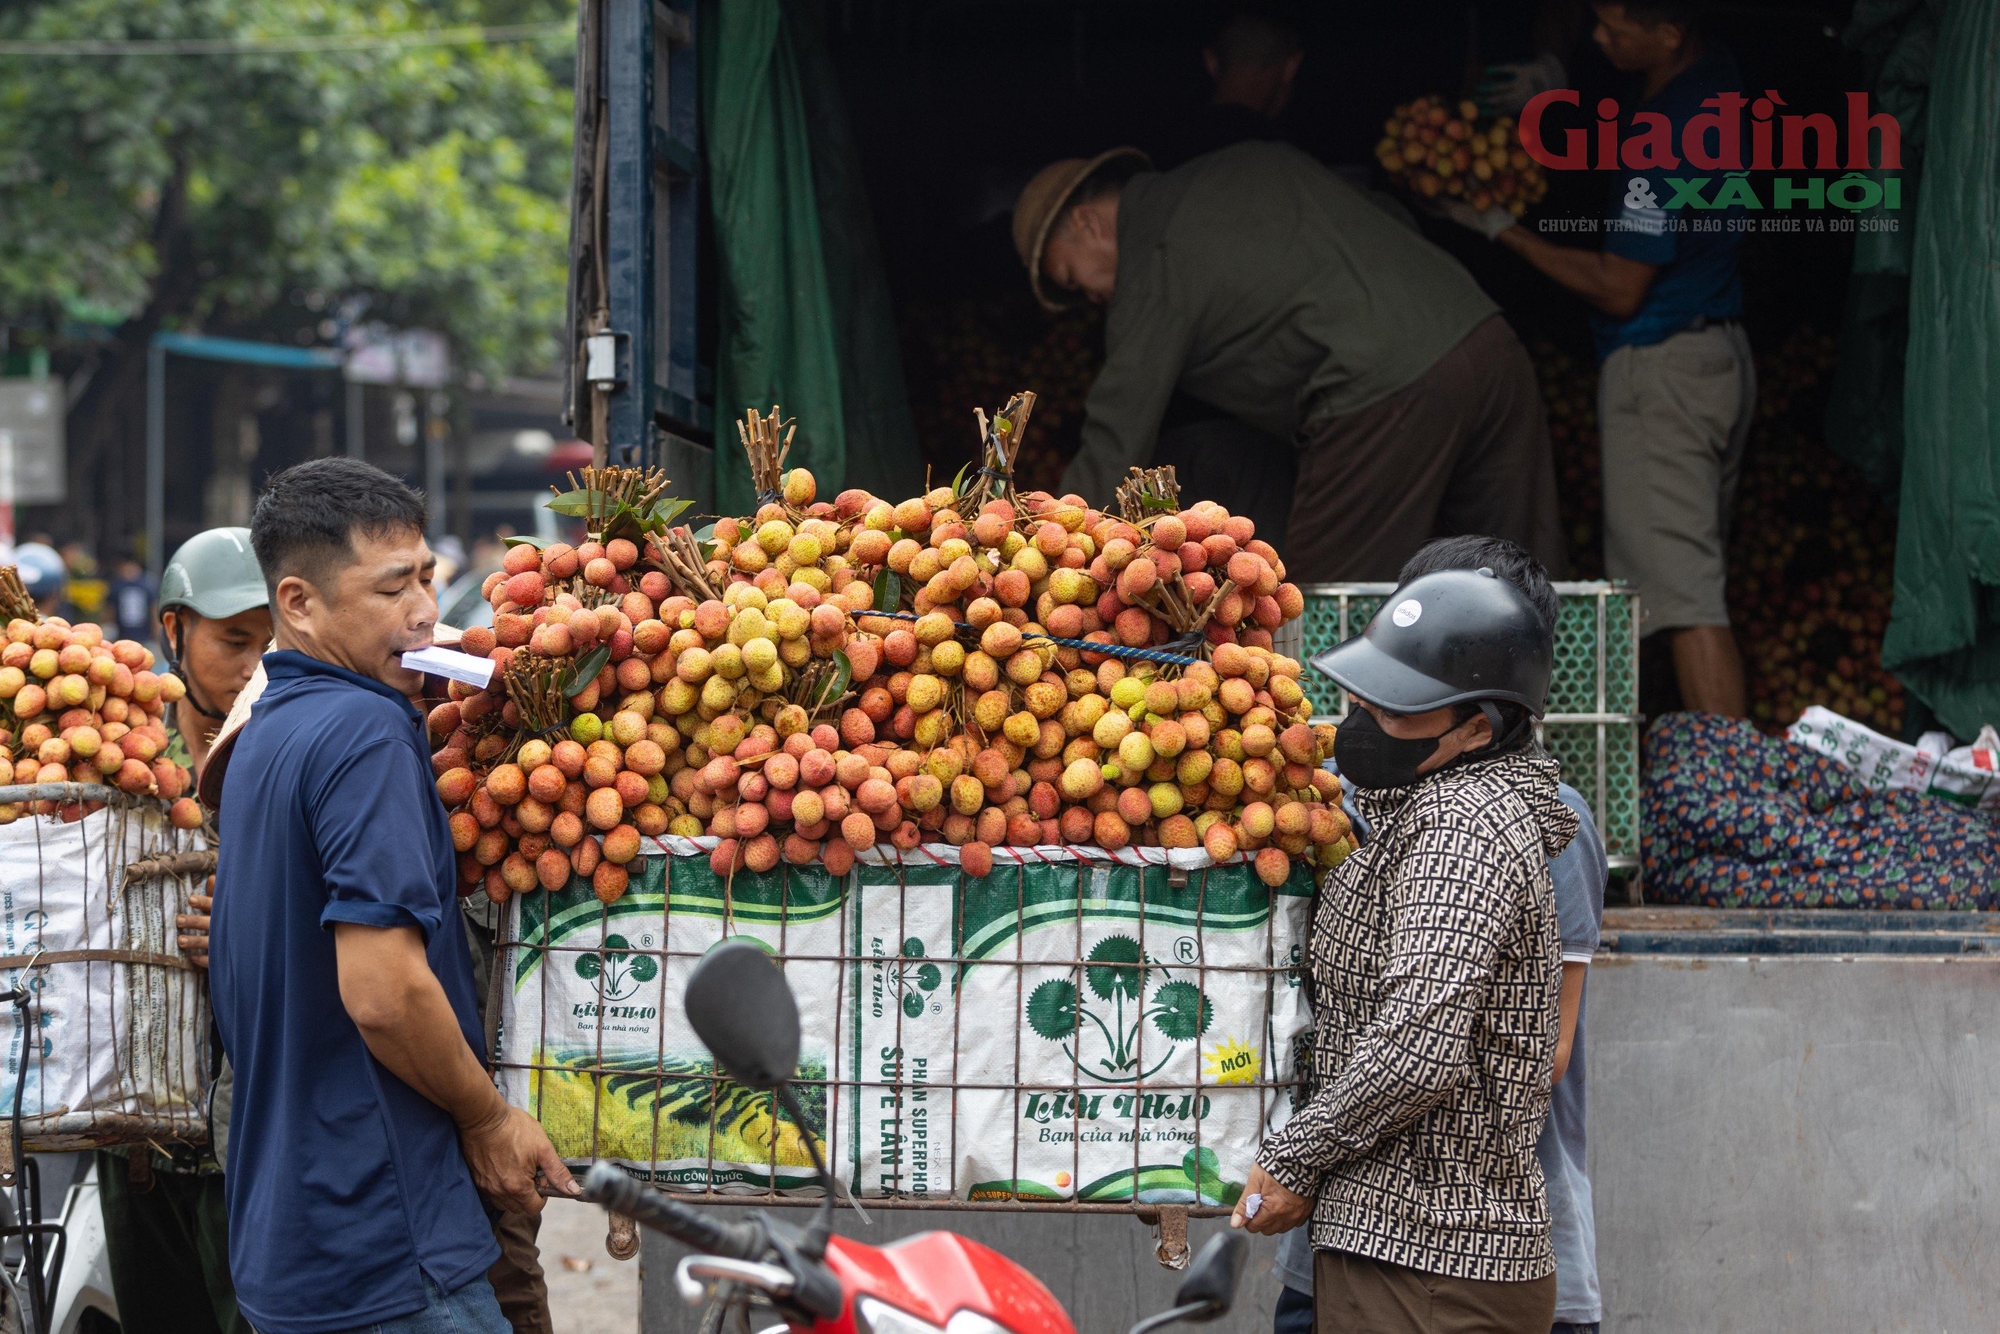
(1370, 758)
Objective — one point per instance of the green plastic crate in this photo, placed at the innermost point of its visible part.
(1592, 727)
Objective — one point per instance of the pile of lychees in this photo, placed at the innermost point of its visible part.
(78, 708)
(964, 667)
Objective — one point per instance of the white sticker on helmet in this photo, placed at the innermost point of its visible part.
(1406, 613)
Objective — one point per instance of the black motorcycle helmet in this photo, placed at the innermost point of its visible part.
(1453, 637)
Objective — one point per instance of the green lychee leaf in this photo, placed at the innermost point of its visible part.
(837, 683)
(888, 590)
(663, 513)
(576, 504)
(586, 670)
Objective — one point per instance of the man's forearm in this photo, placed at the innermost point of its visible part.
(408, 1023)
(1614, 285)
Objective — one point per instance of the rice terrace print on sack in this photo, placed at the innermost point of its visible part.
(653, 1102)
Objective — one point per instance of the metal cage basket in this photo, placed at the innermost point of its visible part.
(115, 1017)
(1077, 1030)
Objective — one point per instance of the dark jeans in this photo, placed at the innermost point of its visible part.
(470, 1310)
(1462, 449)
(1353, 1292)
(1294, 1313)
(1295, 1317)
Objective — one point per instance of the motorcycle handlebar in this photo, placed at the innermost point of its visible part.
(618, 1192)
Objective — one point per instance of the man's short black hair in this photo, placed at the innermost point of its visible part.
(1518, 568)
(1687, 15)
(1253, 41)
(308, 515)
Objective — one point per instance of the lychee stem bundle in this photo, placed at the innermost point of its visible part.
(15, 604)
(613, 493)
(679, 556)
(535, 687)
(1149, 491)
(1000, 446)
(767, 440)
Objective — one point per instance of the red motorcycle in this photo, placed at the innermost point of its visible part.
(817, 1283)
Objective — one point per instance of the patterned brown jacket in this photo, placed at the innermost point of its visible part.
(1435, 972)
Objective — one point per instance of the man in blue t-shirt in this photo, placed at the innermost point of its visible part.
(1676, 383)
(365, 1128)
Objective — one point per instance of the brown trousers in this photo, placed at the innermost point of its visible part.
(1462, 450)
(1355, 1295)
(517, 1277)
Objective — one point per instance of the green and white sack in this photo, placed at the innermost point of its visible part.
(1134, 1041)
(593, 1040)
(1112, 1037)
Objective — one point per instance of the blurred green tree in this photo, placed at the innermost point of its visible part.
(425, 184)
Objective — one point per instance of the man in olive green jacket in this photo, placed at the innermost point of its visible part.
(1259, 283)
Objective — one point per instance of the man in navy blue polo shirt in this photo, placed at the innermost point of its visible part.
(365, 1128)
(1677, 386)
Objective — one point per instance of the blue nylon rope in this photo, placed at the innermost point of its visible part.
(1087, 645)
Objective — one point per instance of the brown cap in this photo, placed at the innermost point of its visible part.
(1043, 201)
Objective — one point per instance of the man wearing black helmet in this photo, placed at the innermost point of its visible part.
(1435, 972)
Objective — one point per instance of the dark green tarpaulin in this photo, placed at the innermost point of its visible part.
(803, 310)
(1944, 633)
(1864, 415)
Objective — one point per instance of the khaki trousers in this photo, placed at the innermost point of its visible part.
(1674, 418)
(1356, 1295)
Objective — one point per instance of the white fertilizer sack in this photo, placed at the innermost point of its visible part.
(594, 1043)
(1111, 1037)
(1060, 1031)
(119, 1050)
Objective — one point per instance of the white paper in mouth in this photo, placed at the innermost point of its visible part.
(446, 662)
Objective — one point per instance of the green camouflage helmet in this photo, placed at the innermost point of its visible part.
(215, 575)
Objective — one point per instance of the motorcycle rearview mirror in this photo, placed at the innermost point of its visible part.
(744, 1014)
(743, 1011)
(1210, 1286)
(1212, 1278)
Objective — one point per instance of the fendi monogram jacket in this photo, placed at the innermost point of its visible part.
(1435, 971)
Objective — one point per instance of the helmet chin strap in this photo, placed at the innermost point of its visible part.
(174, 646)
(1503, 737)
